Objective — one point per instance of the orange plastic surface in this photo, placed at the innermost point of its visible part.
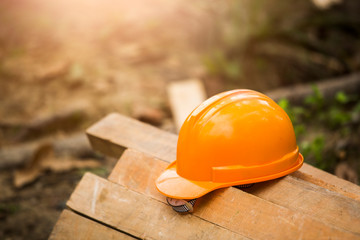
(233, 138)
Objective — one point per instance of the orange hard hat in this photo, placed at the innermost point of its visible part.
(234, 138)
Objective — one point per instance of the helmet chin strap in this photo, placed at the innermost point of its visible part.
(187, 206)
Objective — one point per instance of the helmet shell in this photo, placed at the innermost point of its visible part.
(236, 137)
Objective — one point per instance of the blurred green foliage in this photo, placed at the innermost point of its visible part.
(336, 114)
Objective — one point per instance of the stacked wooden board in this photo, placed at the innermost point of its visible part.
(308, 204)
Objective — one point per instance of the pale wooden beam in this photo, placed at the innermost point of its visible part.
(115, 132)
(185, 96)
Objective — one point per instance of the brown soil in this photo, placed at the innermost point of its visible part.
(98, 57)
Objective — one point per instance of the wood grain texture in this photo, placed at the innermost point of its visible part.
(184, 96)
(327, 206)
(139, 215)
(117, 131)
(73, 226)
(286, 209)
(326, 180)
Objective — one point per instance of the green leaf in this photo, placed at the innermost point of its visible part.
(316, 99)
(284, 103)
(338, 117)
(342, 98)
(299, 129)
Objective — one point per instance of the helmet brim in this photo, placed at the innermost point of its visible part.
(170, 184)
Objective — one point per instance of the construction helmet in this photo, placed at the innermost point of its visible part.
(234, 138)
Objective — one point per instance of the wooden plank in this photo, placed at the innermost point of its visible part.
(73, 226)
(326, 180)
(328, 207)
(117, 131)
(139, 215)
(184, 96)
(247, 214)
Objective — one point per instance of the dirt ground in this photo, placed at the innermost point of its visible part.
(97, 57)
(92, 56)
